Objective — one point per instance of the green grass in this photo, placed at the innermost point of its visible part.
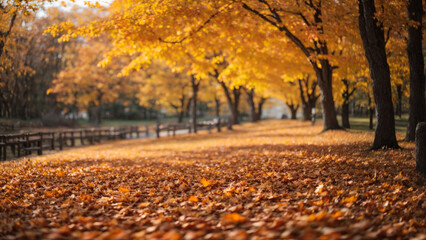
(123, 122)
(362, 123)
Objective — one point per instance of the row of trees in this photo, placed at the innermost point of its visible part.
(230, 40)
(298, 51)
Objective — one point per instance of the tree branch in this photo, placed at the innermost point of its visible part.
(199, 27)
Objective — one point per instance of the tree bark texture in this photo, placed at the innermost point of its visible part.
(373, 39)
(421, 148)
(345, 115)
(417, 111)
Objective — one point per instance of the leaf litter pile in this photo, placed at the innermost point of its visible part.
(275, 179)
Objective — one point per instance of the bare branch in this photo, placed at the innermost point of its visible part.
(245, 6)
(199, 27)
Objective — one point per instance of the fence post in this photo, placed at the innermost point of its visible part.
(92, 136)
(3, 148)
(99, 134)
(19, 144)
(72, 139)
(81, 137)
(421, 148)
(52, 143)
(157, 129)
(189, 128)
(174, 130)
(40, 145)
(61, 142)
(147, 130)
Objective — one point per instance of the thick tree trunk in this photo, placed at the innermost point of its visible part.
(417, 111)
(307, 112)
(293, 114)
(325, 81)
(236, 92)
(345, 115)
(195, 86)
(421, 148)
(373, 39)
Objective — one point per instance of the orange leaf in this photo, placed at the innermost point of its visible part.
(234, 218)
(205, 182)
(123, 189)
(193, 199)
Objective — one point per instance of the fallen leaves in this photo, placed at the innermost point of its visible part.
(276, 179)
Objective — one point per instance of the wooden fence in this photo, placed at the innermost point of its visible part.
(171, 128)
(23, 144)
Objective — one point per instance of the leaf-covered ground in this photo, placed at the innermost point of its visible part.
(275, 179)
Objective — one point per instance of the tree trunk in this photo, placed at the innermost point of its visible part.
(181, 112)
(347, 93)
(421, 148)
(293, 110)
(252, 105)
(236, 92)
(4, 35)
(233, 102)
(417, 111)
(195, 86)
(307, 112)
(373, 39)
(180, 116)
(217, 106)
(260, 108)
(325, 81)
(399, 104)
(293, 113)
(308, 98)
(371, 113)
(345, 115)
(323, 69)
